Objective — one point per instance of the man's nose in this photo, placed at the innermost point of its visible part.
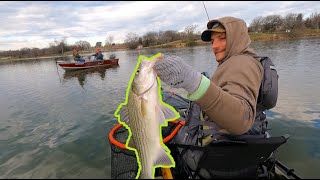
(215, 45)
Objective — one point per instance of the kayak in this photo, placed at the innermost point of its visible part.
(119, 153)
(270, 168)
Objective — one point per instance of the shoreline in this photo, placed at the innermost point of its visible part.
(272, 37)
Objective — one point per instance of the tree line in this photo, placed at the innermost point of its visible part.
(289, 23)
(262, 24)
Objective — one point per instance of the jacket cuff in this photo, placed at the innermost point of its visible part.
(203, 87)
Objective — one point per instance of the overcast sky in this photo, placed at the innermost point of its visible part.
(36, 24)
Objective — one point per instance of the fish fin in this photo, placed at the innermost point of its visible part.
(167, 113)
(163, 159)
(124, 114)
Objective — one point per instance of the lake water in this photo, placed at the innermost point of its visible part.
(55, 124)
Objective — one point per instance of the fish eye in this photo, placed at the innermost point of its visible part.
(138, 71)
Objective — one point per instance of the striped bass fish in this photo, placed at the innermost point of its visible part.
(144, 113)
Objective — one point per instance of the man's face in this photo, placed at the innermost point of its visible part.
(218, 44)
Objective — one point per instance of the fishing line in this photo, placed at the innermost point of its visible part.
(58, 71)
(208, 21)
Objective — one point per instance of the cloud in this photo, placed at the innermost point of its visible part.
(36, 24)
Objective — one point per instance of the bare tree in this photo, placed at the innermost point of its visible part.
(24, 52)
(189, 30)
(132, 40)
(170, 36)
(300, 20)
(54, 47)
(160, 38)
(62, 44)
(84, 45)
(149, 39)
(98, 44)
(307, 23)
(256, 24)
(293, 21)
(35, 52)
(57, 46)
(272, 22)
(109, 40)
(315, 20)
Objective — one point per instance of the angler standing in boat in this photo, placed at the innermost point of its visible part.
(228, 100)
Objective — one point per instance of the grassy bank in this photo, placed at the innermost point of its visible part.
(274, 36)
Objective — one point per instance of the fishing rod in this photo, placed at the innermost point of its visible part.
(206, 10)
(204, 6)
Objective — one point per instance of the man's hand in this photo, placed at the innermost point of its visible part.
(174, 72)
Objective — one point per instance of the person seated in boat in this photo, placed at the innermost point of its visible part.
(76, 55)
(229, 97)
(98, 55)
(227, 100)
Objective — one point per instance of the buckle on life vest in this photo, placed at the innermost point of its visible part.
(200, 137)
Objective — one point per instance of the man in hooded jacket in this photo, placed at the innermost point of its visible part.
(229, 97)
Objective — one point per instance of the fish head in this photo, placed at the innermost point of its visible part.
(145, 76)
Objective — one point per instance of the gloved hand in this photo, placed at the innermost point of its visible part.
(174, 72)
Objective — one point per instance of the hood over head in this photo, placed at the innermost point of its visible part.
(237, 36)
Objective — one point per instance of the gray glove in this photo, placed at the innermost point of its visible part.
(174, 72)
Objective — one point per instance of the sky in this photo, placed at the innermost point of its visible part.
(35, 24)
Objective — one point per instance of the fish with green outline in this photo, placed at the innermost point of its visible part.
(145, 113)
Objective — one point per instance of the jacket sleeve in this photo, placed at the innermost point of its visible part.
(232, 103)
(100, 56)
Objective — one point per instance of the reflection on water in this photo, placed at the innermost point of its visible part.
(82, 73)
